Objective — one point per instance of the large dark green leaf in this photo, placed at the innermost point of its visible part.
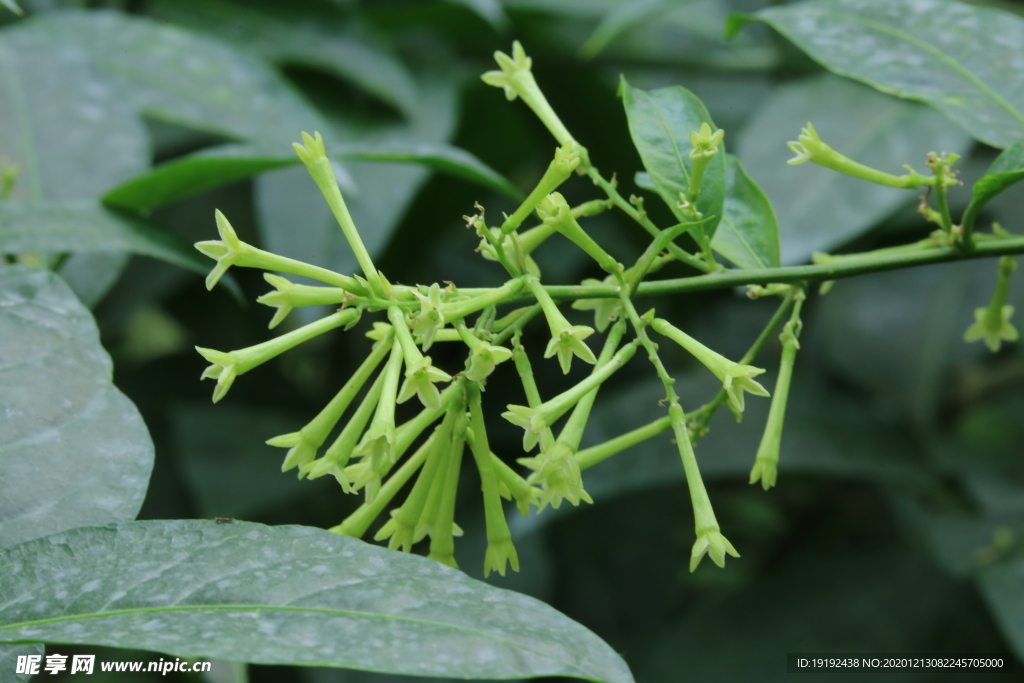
(179, 76)
(748, 234)
(295, 35)
(819, 209)
(291, 594)
(74, 450)
(9, 661)
(963, 60)
(660, 122)
(66, 127)
(84, 226)
(1006, 170)
(219, 166)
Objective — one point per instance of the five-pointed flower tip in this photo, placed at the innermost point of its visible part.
(483, 360)
(430, 319)
(766, 471)
(805, 146)
(224, 369)
(398, 533)
(992, 325)
(569, 342)
(499, 552)
(714, 545)
(323, 466)
(736, 379)
(522, 416)
(312, 150)
(511, 67)
(704, 142)
(224, 251)
(419, 381)
(558, 473)
(279, 298)
(301, 451)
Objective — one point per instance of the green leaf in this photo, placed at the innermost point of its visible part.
(748, 234)
(1002, 586)
(297, 35)
(1006, 170)
(819, 209)
(211, 168)
(75, 450)
(9, 661)
(182, 77)
(286, 595)
(68, 130)
(962, 60)
(85, 226)
(11, 5)
(660, 122)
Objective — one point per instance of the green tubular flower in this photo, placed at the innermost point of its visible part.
(430, 319)
(500, 550)
(356, 524)
(230, 251)
(420, 374)
(304, 444)
(516, 79)
(336, 457)
(554, 211)
(378, 444)
(511, 486)
(226, 366)
(556, 469)
(535, 419)
(368, 475)
(288, 295)
(313, 154)
(809, 147)
(558, 473)
(443, 528)
(483, 356)
(401, 528)
(710, 540)
(525, 370)
(992, 323)
(735, 378)
(606, 311)
(566, 339)
(766, 463)
(567, 158)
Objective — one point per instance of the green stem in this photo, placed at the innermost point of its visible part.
(846, 267)
(642, 219)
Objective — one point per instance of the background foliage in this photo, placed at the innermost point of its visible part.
(901, 460)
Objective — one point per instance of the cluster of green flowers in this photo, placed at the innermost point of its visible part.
(369, 453)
